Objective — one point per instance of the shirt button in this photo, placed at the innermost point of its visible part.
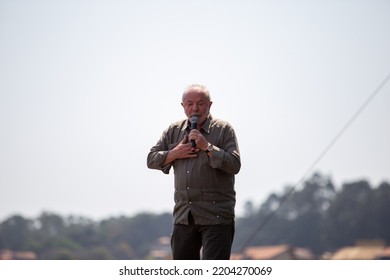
(217, 216)
(190, 202)
(187, 188)
(188, 172)
(214, 202)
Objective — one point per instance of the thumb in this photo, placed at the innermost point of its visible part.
(185, 139)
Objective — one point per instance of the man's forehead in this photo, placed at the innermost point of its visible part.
(194, 95)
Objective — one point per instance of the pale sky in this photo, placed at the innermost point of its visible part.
(87, 87)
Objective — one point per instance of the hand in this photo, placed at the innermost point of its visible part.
(182, 150)
(201, 142)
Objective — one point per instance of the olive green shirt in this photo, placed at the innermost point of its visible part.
(203, 185)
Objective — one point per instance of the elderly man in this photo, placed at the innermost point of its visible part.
(204, 154)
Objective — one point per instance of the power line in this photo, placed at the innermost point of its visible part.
(317, 160)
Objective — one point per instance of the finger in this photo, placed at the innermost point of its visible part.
(194, 135)
(185, 139)
(191, 137)
(196, 132)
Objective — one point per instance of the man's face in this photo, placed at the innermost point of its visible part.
(196, 103)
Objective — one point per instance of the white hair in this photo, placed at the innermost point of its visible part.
(197, 88)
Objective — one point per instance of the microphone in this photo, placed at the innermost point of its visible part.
(194, 123)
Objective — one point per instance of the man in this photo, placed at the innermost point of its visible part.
(204, 178)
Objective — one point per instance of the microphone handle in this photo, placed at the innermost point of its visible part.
(193, 126)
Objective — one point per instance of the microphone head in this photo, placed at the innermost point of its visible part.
(194, 119)
(194, 122)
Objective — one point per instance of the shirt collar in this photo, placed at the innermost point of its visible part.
(206, 125)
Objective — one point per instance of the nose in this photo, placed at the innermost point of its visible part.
(195, 107)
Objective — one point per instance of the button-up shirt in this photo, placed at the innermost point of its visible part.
(204, 185)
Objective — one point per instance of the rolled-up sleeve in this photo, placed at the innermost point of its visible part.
(227, 157)
(157, 155)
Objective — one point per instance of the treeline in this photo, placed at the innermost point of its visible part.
(319, 217)
(315, 216)
(52, 236)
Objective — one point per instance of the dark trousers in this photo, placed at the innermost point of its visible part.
(214, 240)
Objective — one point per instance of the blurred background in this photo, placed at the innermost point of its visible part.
(87, 87)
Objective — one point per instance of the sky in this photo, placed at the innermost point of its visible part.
(87, 88)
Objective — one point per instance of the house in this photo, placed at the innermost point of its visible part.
(384, 254)
(274, 252)
(363, 250)
(17, 255)
(162, 249)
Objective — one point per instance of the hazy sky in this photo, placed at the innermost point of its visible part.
(87, 87)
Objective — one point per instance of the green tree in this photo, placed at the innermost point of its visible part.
(15, 233)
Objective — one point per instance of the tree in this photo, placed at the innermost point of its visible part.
(15, 233)
(348, 218)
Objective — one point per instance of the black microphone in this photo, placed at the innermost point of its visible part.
(194, 124)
